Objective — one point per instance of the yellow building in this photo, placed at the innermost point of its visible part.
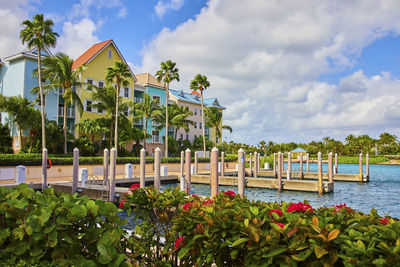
(97, 59)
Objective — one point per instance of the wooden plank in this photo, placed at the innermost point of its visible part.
(343, 177)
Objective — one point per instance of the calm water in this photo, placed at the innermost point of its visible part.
(381, 193)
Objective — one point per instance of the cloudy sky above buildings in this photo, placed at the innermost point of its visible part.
(285, 70)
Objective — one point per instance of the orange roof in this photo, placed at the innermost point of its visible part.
(195, 93)
(90, 53)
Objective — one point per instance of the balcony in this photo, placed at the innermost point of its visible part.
(155, 139)
(138, 99)
(70, 112)
(139, 121)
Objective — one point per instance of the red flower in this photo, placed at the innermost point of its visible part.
(277, 211)
(281, 225)
(208, 202)
(134, 187)
(179, 242)
(121, 205)
(340, 206)
(187, 205)
(299, 207)
(384, 221)
(230, 193)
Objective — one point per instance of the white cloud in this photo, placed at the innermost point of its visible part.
(264, 58)
(78, 37)
(165, 6)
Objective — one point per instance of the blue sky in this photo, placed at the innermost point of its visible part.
(284, 70)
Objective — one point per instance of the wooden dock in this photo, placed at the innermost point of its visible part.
(342, 177)
(269, 183)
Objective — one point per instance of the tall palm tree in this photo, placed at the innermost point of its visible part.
(148, 109)
(105, 97)
(214, 120)
(39, 33)
(263, 146)
(166, 74)
(118, 74)
(201, 83)
(58, 71)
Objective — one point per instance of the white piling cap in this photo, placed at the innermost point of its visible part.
(142, 150)
(279, 152)
(182, 152)
(113, 149)
(106, 149)
(214, 149)
(330, 153)
(157, 149)
(76, 149)
(44, 149)
(240, 150)
(319, 153)
(187, 150)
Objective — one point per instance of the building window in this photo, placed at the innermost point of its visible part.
(99, 108)
(155, 136)
(187, 137)
(89, 81)
(157, 98)
(101, 84)
(200, 112)
(195, 125)
(181, 137)
(109, 53)
(126, 112)
(88, 105)
(195, 111)
(200, 125)
(126, 92)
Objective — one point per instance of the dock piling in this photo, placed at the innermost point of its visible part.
(241, 172)
(361, 170)
(280, 163)
(113, 164)
(106, 155)
(289, 166)
(182, 163)
(251, 164)
(320, 184)
(330, 167)
(308, 162)
(157, 168)
(44, 168)
(367, 165)
(222, 163)
(336, 163)
(142, 168)
(196, 163)
(214, 172)
(301, 166)
(188, 176)
(255, 165)
(258, 161)
(75, 171)
(274, 165)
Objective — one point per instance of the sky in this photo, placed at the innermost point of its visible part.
(285, 70)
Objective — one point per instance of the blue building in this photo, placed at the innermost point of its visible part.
(16, 78)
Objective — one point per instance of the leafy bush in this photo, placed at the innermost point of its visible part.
(65, 229)
(233, 231)
(5, 139)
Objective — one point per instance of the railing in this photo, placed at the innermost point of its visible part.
(139, 122)
(155, 139)
(70, 112)
(138, 100)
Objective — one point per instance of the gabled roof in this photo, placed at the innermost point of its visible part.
(29, 53)
(195, 93)
(148, 79)
(194, 98)
(96, 49)
(298, 150)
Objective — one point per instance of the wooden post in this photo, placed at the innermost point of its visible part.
(280, 163)
(308, 161)
(142, 168)
(258, 162)
(157, 168)
(75, 171)
(336, 164)
(222, 164)
(214, 172)
(113, 163)
(188, 175)
(44, 167)
(274, 168)
(255, 165)
(106, 154)
(241, 172)
(251, 164)
(301, 165)
(283, 164)
(361, 170)
(196, 163)
(289, 166)
(182, 163)
(320, 184)
(330, 167)
(367, 165)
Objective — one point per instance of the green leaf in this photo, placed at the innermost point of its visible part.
(379, 262)
(254, 210)
(274, 252)
(319, 252)
(104, 259)
(234, 253)
(35, 251)
(183, 251)
(246, 222)
(240, 241)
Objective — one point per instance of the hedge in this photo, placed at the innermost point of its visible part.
(36, 160)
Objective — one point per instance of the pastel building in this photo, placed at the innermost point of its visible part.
(16, 78)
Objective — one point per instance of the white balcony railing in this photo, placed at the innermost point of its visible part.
(155, 139)
(138, 99)
(70, 112)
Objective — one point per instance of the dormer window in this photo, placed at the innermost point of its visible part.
(109, 53)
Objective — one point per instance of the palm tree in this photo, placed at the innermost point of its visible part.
(166, 74)
(263, 146)
(148, 109)
(201, 83)
(105, 97)
(58, 71)
(91, 128)
(214, 120)
(39, 33)
(118, 74)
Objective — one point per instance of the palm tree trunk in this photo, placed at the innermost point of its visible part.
(145, 134)
(166, 120)
(203, 126)
(111, 131)
(176, 133)
(65, 127)
(116, 120)
(20, 137)
(41, 97)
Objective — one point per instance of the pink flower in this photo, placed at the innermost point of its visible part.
(230, 193)
(277, 211)
(208, 202)
(134, 187)
(281, 225)
(179, 242)
(121, 205)
(187, 205)
(300, 207)
(384, 221)
(340, 206)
